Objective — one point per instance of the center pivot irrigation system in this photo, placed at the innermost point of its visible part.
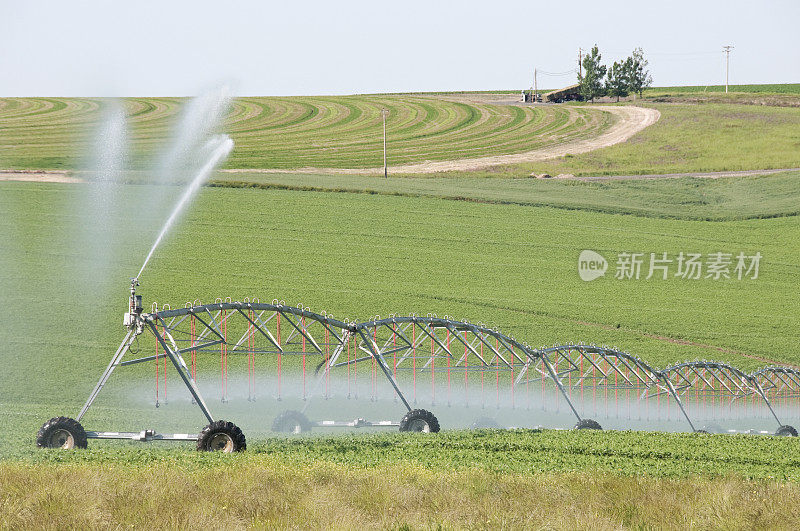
(421, 358)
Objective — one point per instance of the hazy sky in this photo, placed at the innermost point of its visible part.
(149, 48)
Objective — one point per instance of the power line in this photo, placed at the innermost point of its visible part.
(620, 53)
(557, 74)
(683, 53)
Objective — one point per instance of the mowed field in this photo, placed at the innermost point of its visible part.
(500, 251)
(327, 132)
(345, 132)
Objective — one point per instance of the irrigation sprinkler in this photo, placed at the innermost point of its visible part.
(437, 361)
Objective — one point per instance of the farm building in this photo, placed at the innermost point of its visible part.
(570, 93)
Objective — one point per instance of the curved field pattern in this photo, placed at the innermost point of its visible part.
(334, 132)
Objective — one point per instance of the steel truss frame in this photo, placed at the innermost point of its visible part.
(614, 369)
(779, 381)
(415, 343)
(714, 378)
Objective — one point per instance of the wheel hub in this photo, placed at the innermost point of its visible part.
(221, 442)
(419, 425)
(61, 439)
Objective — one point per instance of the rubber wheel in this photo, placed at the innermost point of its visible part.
(221, 436)
(786, 431)
(291, 421)
(419, 420)
(588, 424)
(485, 423)
(61, 432)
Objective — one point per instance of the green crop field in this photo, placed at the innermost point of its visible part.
(678, 198)
(335, 132)
(787, 95)
(788, 88)
(500, 251)
(513, 266)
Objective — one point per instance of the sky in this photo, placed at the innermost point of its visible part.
(309, 47)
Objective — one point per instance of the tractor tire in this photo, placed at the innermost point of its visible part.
(485, 423)
(588, 424)
(291, 421)
(419, 420)
(786, 431)
(221, 436)
(61, 432)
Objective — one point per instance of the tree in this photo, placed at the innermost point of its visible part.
(591, 83)
(639, 75)
(618, 80)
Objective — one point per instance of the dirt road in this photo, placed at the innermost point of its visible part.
(631, 121)
(39, 176)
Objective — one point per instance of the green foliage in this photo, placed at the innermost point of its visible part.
(519, 451)
(638, 76)
(591, 82)
(619, 78)
(628, 76)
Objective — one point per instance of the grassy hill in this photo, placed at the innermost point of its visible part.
(345, 132)
(335, 132)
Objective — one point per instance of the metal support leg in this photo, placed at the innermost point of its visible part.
(183, 371)
(557, 380)
(374, 351)
(121, 351)
(678, 400)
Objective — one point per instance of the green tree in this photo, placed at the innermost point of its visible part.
(591, 83)
(618, 79)
(640, 77)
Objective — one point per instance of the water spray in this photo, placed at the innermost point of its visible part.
(222, 146)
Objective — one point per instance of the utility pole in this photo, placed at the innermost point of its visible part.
(384, 113)
(580, 65)
(535, 88)
(727, 50)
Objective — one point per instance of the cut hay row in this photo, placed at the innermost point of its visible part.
(298, 132)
